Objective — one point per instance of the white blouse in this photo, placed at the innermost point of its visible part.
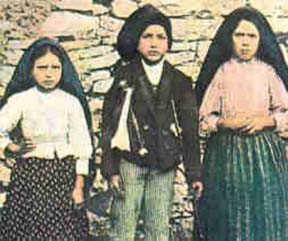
(54, 121)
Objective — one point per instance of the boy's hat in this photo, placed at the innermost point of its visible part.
(137, 22)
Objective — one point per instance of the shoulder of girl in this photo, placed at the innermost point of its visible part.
(266, 66)
(70, 97)
(21, 96)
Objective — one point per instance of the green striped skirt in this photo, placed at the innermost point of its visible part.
(245, 188)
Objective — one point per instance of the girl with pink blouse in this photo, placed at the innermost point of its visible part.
(244, 101)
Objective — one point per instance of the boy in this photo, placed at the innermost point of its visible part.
(149, 108)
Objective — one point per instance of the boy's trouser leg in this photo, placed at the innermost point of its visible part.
(125, 212)
(158, 198)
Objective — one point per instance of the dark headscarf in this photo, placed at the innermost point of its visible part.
(135, 25)
(23, 80)
(221, 49)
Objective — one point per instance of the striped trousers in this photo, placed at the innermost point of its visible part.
(149, 192)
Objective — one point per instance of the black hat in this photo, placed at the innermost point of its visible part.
(134, 26)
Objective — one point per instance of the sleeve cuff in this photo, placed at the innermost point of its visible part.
(82, 167)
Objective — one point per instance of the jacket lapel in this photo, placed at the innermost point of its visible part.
(164, 95)
(164, 88)
(156, 106)
(144, 88)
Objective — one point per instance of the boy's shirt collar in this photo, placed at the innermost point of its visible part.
(153, 72)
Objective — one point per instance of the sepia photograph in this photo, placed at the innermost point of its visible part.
(143, 120)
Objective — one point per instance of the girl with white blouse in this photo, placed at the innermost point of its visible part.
(45, 101)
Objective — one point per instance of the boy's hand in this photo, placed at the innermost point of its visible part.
(198, 188)
(115, 186)
(114, 182)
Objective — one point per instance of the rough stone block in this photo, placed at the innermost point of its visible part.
(6, 73)
(123, 8)
(68, 24)
(101, 62)
(102, 86)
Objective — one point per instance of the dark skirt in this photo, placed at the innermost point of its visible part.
(39, 202)
(245, 188)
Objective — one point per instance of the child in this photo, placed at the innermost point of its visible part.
(45, 101)
(140, 128)
(244, 107)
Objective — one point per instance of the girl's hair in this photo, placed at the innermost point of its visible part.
(41, 51)
(221, 49)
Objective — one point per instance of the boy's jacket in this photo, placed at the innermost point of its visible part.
(154, 115)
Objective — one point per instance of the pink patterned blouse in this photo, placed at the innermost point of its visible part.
(244, 88)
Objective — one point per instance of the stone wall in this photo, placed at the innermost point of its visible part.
(88, 29)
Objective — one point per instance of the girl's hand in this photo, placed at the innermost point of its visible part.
(77, 194)
(13, 148)
(233, 123)
(283, 134)
(27, 146)
(258, 123)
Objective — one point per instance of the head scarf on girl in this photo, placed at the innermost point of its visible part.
(22, 78)
(221, 49)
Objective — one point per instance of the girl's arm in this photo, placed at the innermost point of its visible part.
(79, 137)
(278, 101)
(10, 115)
(210, 110)
(80, 140)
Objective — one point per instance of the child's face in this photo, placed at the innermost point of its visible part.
(47, 71)
(246, 39)
(153, 43)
